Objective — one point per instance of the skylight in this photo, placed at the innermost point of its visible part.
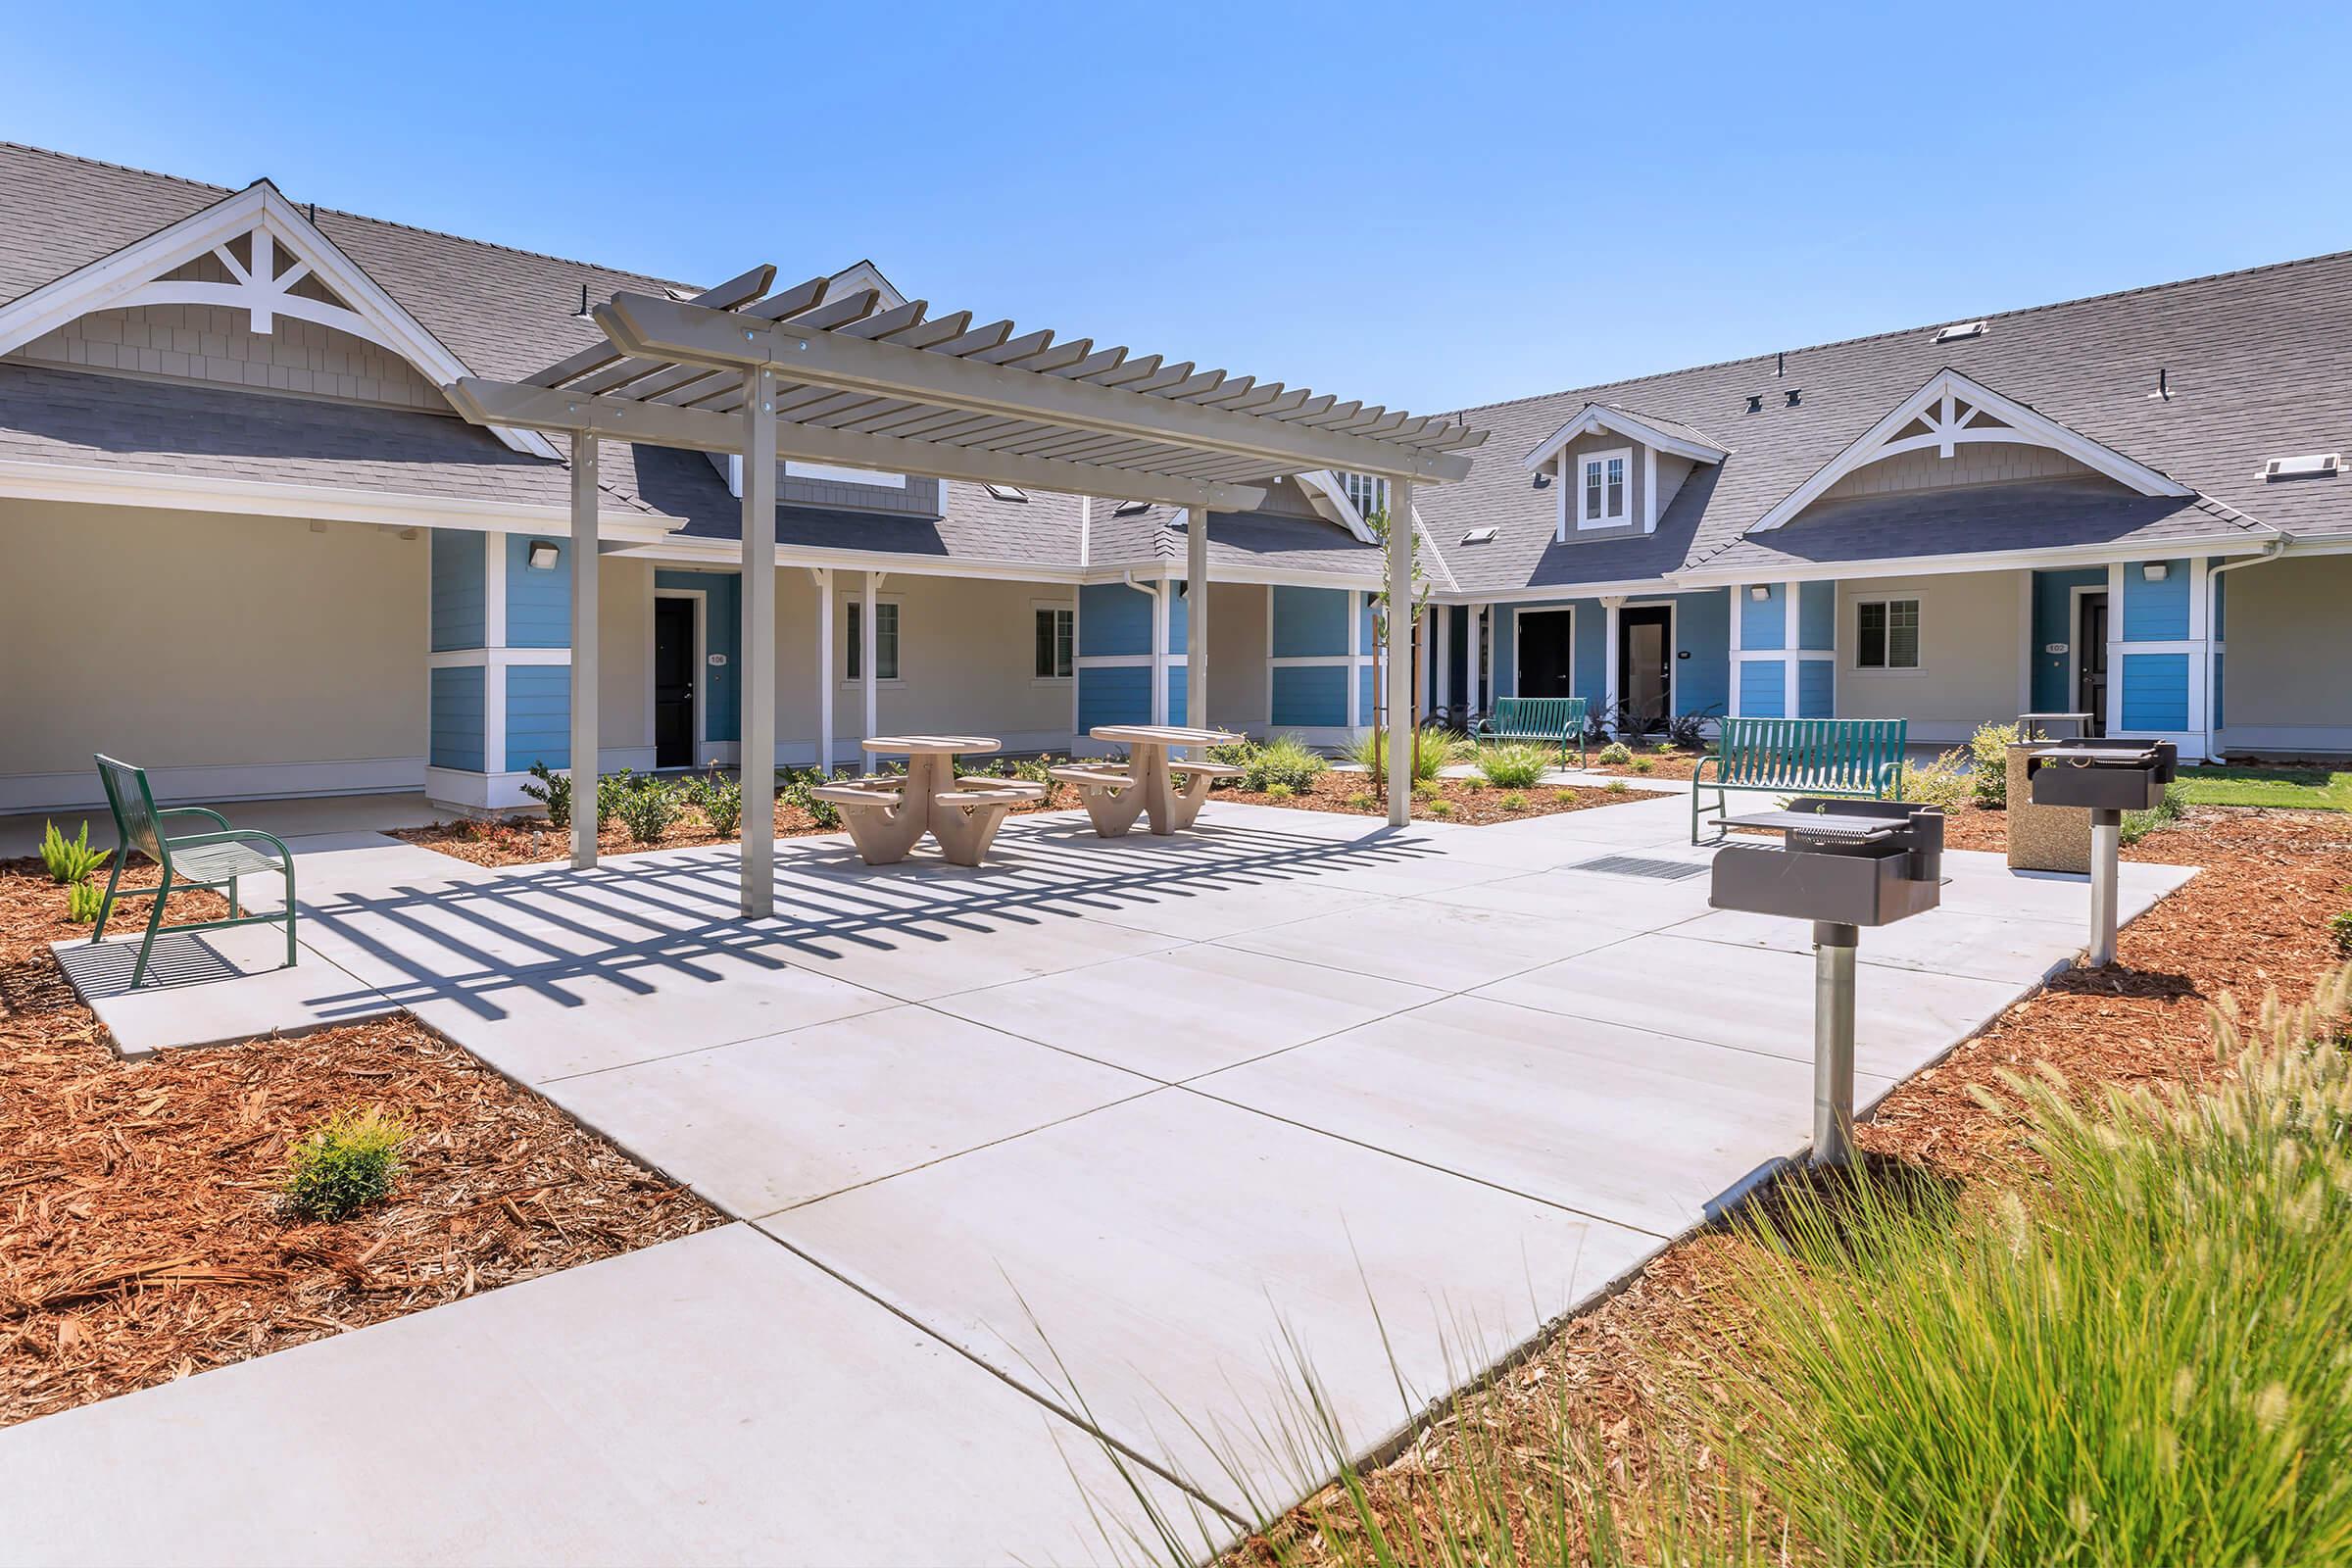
(1128, 508)
(2310, 465)
(1960, 329)
(1480, 536)
(1007, 492)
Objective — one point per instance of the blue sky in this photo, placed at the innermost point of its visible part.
(1422, 205)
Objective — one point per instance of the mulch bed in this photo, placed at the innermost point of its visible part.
(141, 1237)
(1469, 801)
(2255, 920)
(1678, 765)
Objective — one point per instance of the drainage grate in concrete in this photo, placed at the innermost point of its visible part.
(1635, 865)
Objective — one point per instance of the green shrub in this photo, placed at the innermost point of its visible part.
(719, 798)
(552, 790)
(1614, 754)
(1988, 747)
(650, 809)
(1440, 807)
(1285, 759)
(1644, 765)
(613, 791)
(1566, 797)
(1279, 792)
(1513, 802)
(2341, 927)
(797, 786)
(1425, 786)
(1617, 786)
(82, 903)
(344, 1165)
(1361, 801)
(1943, 782)
(2139, 826)
(1512, 767)
(71, 861)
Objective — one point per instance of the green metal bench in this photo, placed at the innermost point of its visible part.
(189, 861)
(1860, 758)
(1554, 721)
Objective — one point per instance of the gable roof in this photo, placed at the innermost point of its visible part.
(1667, 435)
(2257, 364)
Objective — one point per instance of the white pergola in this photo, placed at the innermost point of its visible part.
(828, 374)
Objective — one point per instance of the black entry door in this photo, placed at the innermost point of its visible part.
(1546, 639)
(2090, 663)
(1645, 665)
(673, 683)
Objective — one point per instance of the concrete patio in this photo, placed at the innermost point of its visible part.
(1070, 1145)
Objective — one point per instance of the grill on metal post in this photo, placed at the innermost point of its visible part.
(2110, 777)
(1842, 865)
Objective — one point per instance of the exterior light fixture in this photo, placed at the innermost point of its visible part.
(1542, 481)
(2155, 570)
(543, 554)
(1759, 592)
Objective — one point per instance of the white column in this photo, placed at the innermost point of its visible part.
(869, 644)
(584, 454)
(1195, 616)
(1400, 599)
(1445, 660)
(758, 682)
(1730, 701)
(2115, 646)
(824, 668)
(1791, 665)
(1356, 659)
(1612, 678)
(1471, 706)
(1159, 651)
(2200, 658)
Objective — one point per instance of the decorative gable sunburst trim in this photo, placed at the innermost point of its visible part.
(1952, 410)
(282, 250)
(1594, 416)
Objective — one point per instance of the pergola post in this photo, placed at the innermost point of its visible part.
(1196, 620)
(585, 450)
(1401, 642)
(824, 668)
(869, 644)
(759, 683)
(1160, 651)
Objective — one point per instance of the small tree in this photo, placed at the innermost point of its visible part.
(1419, 589)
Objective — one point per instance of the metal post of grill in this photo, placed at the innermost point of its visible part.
(1832, 1042)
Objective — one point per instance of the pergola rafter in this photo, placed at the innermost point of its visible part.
(828, 373)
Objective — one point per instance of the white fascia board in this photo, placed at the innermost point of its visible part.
(58, 481)
(1559, 593)
(1441, 580)
(2024, 426)
(1595, 417)
(729, 553)
(1329, 497)
(2001, 561)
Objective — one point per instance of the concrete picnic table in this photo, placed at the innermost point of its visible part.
(888, 816)
(1114, 797)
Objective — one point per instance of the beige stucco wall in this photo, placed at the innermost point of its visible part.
(192, 640)
(624, 654)
(1237, 654)
(2286, 664)
(1971, 645)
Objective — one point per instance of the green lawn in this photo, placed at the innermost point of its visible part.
(2313, 788)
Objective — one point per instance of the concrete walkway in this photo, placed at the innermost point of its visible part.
(1082, 1142)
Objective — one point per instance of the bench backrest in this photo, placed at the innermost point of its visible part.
(1549, 717)
(1818, 754)
(126, 794)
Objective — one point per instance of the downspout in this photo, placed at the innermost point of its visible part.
(2270, 551)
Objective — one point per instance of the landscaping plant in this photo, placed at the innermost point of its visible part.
(1285, 759)
(347, 1164)
(1512, 767)
(2340, 928)
(797, 787)
(1440, 807)
(1513, 802)
(552, 790)
(1989, 750)
(1644, 765)
(613, 792)
(1943, 782)
(1614, 754)
(83, 900)
(720, 799)
(2139, 826)
(648, 809)
(71, 861)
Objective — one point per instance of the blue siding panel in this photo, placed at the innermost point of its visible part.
(1309, 696)
(457, 574)
(1815, 689)
(1504, 642)
(1178, 703)
(2053, 622)
(1180, 620)
(1309, 622)
(1764, 622)
(1119, 695)
(2217, 720)
(723, 633)
(538, 717)
(1760, 688)
(2221, 605)
(455, 726)
(1703, 629)
(2156, 611)
(2155, 691)
(1367, 686)
(1592, 652)
(1114, 619)
(538, 602)
(1817, 615)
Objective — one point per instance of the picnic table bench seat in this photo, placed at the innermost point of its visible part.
(1856, 759)
(215, 859)
(1552, 720)
(1178, 764)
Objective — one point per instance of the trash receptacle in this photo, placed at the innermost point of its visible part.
(2044, 838)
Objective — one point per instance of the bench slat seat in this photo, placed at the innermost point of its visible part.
(213, 864)
(1552, 720)
(1177, 765)
(1099, 778)
(1857, 759)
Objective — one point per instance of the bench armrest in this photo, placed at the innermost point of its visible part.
(1889, 781)
(218, 821)
(234, 835)
(1699, 771)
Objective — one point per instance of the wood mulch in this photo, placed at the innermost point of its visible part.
(141, 1238)
(1662, 765)
(2254, 920)
(1468, 800)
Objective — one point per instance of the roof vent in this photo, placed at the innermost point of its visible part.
(1795, 396)
(1756, 402)
(1959, 330)
(1007, 492)
(2310, 465)
(1480, 536)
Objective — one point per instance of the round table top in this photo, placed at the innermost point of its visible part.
(1162, 735)
(929, 744)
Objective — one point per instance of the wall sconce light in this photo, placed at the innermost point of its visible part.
(1759, 592)
(1542, 481)
(2155, 570)
(543, 555)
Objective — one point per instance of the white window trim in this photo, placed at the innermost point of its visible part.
(842, 611)
(1622, 519)
(1068, 607)
(1919, 604)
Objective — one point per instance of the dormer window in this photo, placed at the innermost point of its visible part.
(1602, 491)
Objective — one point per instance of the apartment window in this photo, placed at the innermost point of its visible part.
(1886, 634)
(886, 640)
(1601, 488)
(1056, 639)
(1366, 493)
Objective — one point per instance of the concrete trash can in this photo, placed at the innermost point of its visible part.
(2044, 838)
